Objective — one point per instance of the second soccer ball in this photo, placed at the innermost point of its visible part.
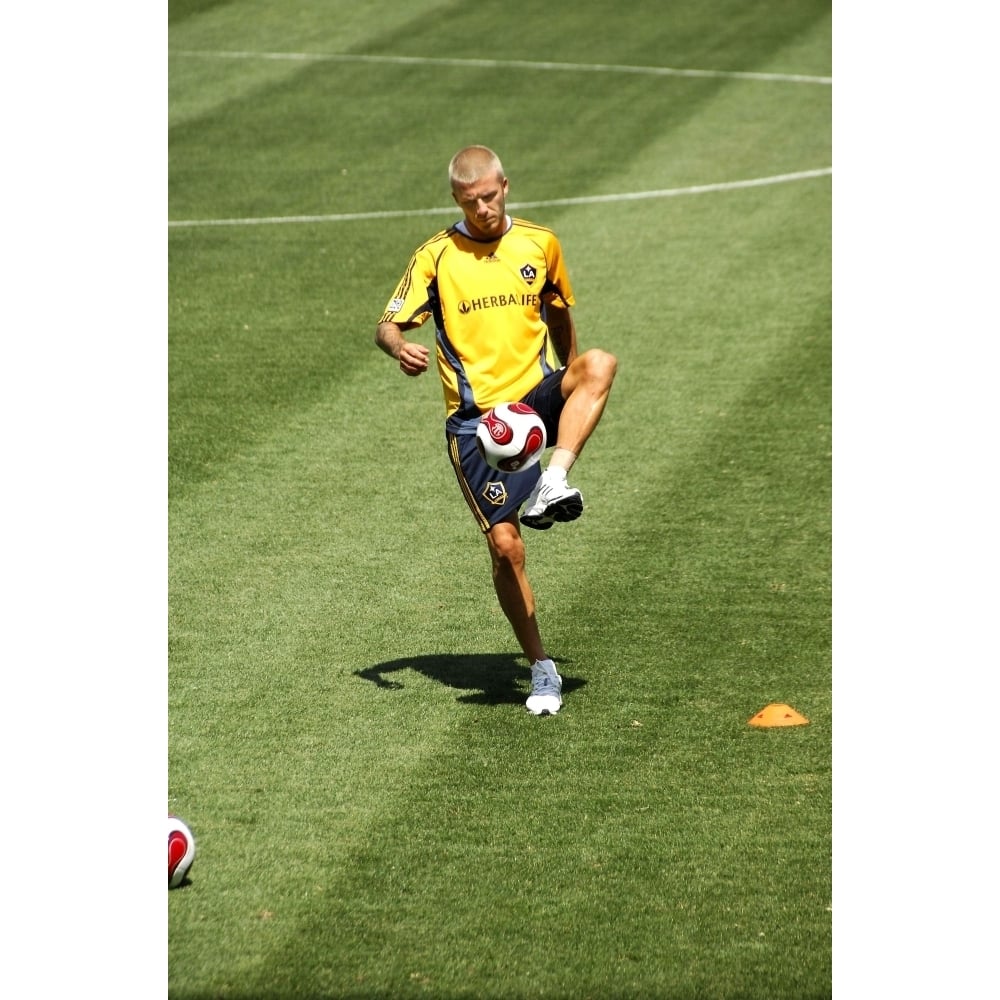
(180, 851)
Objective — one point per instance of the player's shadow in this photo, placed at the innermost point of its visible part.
(493, 678)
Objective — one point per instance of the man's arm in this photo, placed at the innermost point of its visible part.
(562, 330)
(412, 358)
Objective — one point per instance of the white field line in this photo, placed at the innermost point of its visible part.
(506, 64)
(514, 206)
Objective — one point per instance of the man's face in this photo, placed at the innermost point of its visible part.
(483, 203)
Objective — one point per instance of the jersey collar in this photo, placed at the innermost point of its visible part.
(464, 229)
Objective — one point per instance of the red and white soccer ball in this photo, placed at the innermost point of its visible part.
(180, 851)
(511, 437)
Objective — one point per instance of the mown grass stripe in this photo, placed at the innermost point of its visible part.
(515, 64)
(595, 199)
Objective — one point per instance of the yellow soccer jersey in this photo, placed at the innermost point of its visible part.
(488, 301)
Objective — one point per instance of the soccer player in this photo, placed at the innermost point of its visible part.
(500, 297)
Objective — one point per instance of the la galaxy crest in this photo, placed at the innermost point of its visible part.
(496, 494)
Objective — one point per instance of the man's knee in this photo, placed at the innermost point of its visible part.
(596, 367)
(506, 547)
(606, 364)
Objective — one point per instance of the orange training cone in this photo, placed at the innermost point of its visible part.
(778, 715)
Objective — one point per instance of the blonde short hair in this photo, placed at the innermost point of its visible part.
(470, 164)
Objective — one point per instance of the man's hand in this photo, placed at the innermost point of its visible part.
(413, 358)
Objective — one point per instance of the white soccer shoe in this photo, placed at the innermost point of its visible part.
(546, 689)
(550, 502)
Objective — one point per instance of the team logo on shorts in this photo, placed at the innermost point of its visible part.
(395, 305)
(528, 273)
(496, 494)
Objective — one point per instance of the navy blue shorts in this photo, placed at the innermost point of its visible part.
(494, 496)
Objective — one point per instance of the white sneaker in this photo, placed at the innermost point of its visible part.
(551, 502)
(546, 689)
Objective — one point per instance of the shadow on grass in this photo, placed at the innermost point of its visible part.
(496, 678)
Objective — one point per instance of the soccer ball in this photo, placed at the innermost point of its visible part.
(180, 851)
(510, 437)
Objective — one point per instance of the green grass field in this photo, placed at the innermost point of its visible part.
(376, 815)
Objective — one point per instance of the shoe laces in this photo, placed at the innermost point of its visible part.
(543, 682)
